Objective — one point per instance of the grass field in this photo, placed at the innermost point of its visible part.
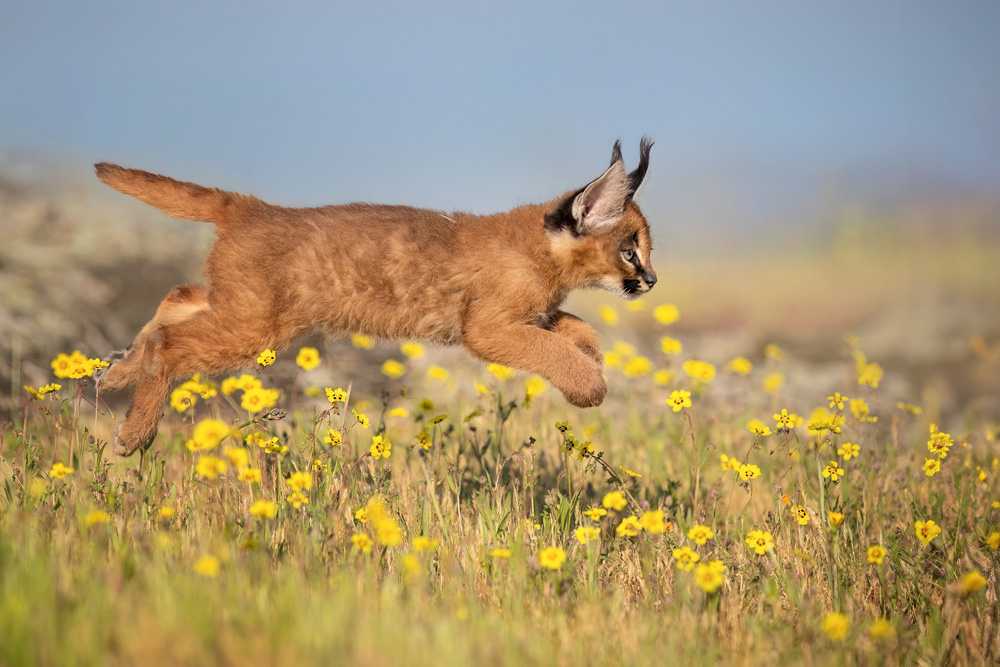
(260, 528)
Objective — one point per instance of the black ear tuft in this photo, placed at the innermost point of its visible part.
(561, 217)
(616, 152)
(636, 177)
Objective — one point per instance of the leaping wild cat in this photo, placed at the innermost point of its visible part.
(492, 283)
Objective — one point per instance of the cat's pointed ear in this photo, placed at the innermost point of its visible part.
(602, 202)
(636, 177)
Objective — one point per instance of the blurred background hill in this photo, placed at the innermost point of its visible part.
(818, 169)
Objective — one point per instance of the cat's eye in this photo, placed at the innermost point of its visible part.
(628, 254)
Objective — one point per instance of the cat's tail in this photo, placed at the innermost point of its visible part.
(176, 198)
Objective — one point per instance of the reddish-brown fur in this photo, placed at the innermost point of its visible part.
(491, 283)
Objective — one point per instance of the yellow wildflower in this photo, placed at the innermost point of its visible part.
(388, 532)
(249, 475)
(729, 463)
(801, 515)
(59, 470)
(838, 400)
(49, 388)
(608, 314)
(501, 372)
(381, 448)
(749, 471)
(709, 576)
(257, 399)
(870, 374)
(181, 399)
(686, 558)
(95, 517)
(700, 370)
(362, 543)
(337, 395)
(298, 499)
(585, 534)
(61, 365)
(362, 342)
(786, 420)
(266, 357)
(671, 345)
(300, 481)
(438, 373)
(265, 509)
(423, 543)
(772, 351)
(932, 466)
(833, 471)
(993, 540)
(614, 501)
(551, 558)
(210, 467)
(939, 443)
(238, 457)
(636, 306)
(758, 428)
(534, 386)
(679, 399)
(876, 554)
(663, 377)
(666, 314)
(80, 366)
(773, 382)
(629, 527)
(612, 359)
(836, 518)
(256, 438)
(412, 350)
(861, 411)
(307, 358)
(595, 514)
(652, 522)
(836, 626)
(880, 628)
(926, 531)
(909, 408)
(760, 541)
(848, 450)
(700, 534)
(972, 582)
(247, 383)
(637, 367)
(333, 438)
(500, 553)
(361, 417)
(207, 566)
(209, 433)
(393, 369)
(741, 366)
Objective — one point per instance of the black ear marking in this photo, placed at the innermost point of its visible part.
(616, 152)
(636, 177)
(561, 217)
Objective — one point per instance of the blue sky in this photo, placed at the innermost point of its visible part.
(757, 108)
